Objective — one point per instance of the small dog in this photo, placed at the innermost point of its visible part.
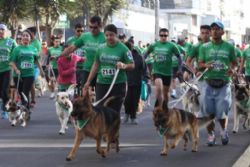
(17, 113)
(242, 103)
(191, 101)
(99, 122)
(40, 85)
(64, 108)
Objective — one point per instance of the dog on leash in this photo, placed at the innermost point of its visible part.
(64, 107)
(242, 98)
(18, 114)
(97, 122)
(177, 124)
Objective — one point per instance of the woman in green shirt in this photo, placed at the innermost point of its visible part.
(23, 60)
(111, 56)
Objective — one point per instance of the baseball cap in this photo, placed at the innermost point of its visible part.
(218, 24)
(3, 26)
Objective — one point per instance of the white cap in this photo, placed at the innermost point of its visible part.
(3, 26)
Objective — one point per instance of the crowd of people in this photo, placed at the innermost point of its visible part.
(91, 59)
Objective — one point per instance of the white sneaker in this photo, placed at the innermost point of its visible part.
(52, 95)
(134, 121)
(173, 94)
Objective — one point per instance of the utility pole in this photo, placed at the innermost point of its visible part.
(157, 5)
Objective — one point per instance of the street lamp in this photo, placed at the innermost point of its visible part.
(157, 4)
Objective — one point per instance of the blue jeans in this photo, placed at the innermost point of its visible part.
(217, 101)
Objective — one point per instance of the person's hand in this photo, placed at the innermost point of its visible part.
(198, 73)
(121, 65)
(230, 72)
(210, 65)
(17, 72)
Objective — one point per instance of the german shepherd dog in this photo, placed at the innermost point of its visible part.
(176, 124)
(242, 96)
(101, 122)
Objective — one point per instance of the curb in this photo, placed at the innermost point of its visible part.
(243, 160)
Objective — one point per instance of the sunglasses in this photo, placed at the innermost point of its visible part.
(93, 27)
(79, 30)
(161, 35)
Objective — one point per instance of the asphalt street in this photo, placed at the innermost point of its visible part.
(40, 145)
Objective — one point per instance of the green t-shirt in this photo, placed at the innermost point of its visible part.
(246, 56)
(24, 57)
(37, 44)
(174, 58)
(6, 47)
(54, 52)
(107, 58)
(91, 44)
(221, 55)
(187, 47)
(163, 53)
(79, 51)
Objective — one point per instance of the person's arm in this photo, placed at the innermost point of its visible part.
(14, 67)
(69, 50)
(40, 67)
(242, 62)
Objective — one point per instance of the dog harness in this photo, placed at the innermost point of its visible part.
(245, 103)
(162, 131)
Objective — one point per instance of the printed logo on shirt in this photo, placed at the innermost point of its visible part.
(3, 58)
(129, 54)
(9, 42)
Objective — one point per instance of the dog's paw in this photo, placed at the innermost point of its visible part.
(194, 150)
(69, 158)
(164, 153)
(234, 131)
(61, 133)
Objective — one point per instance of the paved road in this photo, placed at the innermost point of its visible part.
(39, 145)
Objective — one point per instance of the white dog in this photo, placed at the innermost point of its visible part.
(64, 108)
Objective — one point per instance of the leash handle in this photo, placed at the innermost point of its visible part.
(109, 90)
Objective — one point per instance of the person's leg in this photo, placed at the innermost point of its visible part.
(223, 105)
(158, 92)
(128, 102)
(136, 92)
(5, 77)
(27, 86)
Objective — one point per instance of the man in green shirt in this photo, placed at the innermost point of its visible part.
(6, 47)
(218, 56)
(91, 41)
(245, 62)
(163, 51)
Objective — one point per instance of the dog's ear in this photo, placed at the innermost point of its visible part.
(236, 86)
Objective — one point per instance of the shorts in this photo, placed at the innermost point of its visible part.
(216, 101)
(165, 79)
(85, 78)
(174, 72)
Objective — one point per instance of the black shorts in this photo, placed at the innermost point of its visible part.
(174, 72)
(165, 79)
(85, 78)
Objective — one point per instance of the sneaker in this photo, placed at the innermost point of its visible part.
(173, 94)
(52, 95)
(211, 139)
(224, 138)
(126, 118)
(134, 121)
(4, 115)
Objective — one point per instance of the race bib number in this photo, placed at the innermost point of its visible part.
(108, 71)
(217, 66)
(3, 58)
(160, 58)
(26, 65)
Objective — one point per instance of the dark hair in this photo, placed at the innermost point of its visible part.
(163, 30)
(121, 36)
(32, 29)
(131, 40)
(207, 27)
(128, 44)
(111, 27)
(96, 19)
(28, 31)
(78, 25)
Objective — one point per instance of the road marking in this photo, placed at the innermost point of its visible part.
(243, 160)
(52, 144)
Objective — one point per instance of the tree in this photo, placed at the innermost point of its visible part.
(11, 12)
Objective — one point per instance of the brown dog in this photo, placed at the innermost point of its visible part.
(176, 124)
(98, 122)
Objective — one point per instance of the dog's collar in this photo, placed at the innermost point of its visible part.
(82, 123)
(63, 106)
(245, 103)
